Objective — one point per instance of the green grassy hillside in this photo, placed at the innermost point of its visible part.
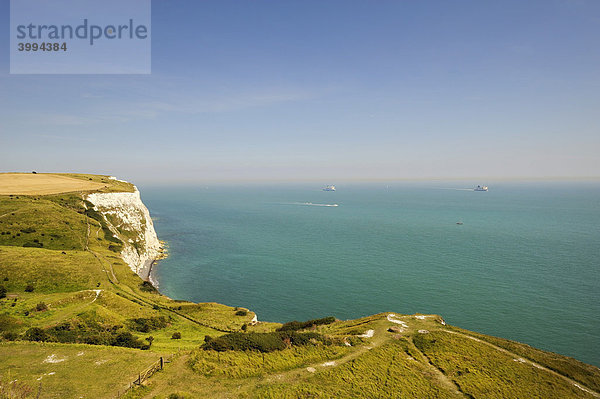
(75, 321)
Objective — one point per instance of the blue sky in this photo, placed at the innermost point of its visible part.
(325, 91)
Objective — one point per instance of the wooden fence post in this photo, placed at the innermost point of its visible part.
(161, 363)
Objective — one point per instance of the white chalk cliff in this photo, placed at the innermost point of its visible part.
(129, 219)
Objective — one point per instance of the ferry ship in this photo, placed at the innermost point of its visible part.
(480, 188)
(329, 188)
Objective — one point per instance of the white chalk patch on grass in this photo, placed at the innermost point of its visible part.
(392, 318)
(421, 317)
(368, 334)
(311, 369)
(97, 294)
(327, 364)
(53, 359)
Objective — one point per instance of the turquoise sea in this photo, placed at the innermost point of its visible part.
(524, 265)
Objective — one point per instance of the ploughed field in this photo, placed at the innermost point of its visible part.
(72, 309)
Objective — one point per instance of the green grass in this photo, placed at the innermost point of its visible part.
(49, 270)
(86, 371)
(215, 315)
(482, 371)
(587, 374)
(383, 372)
(54, 227)
(244, 364)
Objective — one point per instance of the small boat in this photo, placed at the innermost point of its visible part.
(329, 188)
(480, 188)
(460, 223)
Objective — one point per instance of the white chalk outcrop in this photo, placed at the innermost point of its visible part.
(130, 220)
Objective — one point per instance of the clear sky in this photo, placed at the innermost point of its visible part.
(325, 91)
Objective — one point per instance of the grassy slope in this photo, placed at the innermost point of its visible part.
(73, 261)
(445, 362)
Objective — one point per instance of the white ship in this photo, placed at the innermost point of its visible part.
(329, 188)
(480, 188)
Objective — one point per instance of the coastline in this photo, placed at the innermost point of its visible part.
(145, 272)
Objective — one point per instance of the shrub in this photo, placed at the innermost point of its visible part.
(301, 325)
(263, 342)
(127, 340)
(147, 286)
(208, 338)
(244, 327)
(148, 324)
(93, 340)
(29, 288)
(147, 346)
(177, 335)
(40, 307)
(28, 230)
(10, 335)
(241, 313)
(36, 334)
(115, 248)
(2, 291)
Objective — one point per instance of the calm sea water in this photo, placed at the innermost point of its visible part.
(524, 265)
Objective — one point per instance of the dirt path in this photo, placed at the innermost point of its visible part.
(378, 336)
(10, 213)
(442, 378)
(522, 360)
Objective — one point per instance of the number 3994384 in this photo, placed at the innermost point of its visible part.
(42, 46)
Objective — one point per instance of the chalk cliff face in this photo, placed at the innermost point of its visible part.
(129, 220)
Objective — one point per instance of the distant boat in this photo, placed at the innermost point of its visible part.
(459, 222)
(329, 188)
(480, 188)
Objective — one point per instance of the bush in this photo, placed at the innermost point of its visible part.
(28, 230)
(127, 340)
(147, 286)
(148, 324)
(29, 288)
(177, 335)
(263, 342)
(241, 313)
(301, 325)
(10, 336)
(40, 307)
(208, 338)
(115, 248)
(36, 334)
(2, 291)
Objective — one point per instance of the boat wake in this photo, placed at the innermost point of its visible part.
(310, 204)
